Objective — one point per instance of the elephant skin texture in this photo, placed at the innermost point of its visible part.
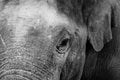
(59, 39)
(37, 40)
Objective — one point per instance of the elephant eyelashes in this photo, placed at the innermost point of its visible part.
(63, 45)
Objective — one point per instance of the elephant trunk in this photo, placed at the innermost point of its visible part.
(21, 64)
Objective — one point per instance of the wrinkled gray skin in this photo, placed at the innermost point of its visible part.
(44, 40)
(31, 41)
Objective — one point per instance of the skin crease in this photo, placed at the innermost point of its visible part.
(30, 32)
(46, 40)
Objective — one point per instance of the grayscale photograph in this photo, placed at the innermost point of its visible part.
(59, 39)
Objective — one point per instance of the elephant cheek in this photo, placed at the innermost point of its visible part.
(73, 67)
(56, 75)
(80, 62)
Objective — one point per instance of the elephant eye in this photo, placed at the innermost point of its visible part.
(63, 45)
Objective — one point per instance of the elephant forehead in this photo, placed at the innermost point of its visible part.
(37, 11)
(37, 15)
(33, 10)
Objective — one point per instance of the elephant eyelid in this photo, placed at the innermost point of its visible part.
(63, 44)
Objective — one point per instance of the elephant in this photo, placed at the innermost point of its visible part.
(104, 65)
(59, 39)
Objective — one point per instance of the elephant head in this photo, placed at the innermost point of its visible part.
(46, 39)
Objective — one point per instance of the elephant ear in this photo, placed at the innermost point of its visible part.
(116, 13)
(99, 25)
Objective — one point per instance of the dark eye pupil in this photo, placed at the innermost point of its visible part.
(63, 44)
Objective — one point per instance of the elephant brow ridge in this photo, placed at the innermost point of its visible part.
(32, 14)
